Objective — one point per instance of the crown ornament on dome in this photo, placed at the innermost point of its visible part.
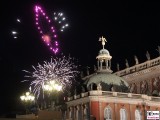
(103, 41)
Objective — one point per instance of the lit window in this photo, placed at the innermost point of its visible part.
(107, 113)
(123, 114)
(137, 114)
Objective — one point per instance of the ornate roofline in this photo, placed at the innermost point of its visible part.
(139, 67)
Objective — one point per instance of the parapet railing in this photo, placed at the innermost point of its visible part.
(114, 94)
(139, 67)
(155, 99)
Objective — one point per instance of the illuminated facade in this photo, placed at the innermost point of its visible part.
(124, 95)
(143, 78)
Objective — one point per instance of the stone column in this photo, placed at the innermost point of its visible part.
(98, 64)
(71, 113)
(144, 110)
(109, 64)
(78, 115)
(68, 113)
(150, 85)
(100, 111)
(91, 87)
(82, 112)
(114, 115)
(101, 65)
(130, 111)
(138, 87)
(75, 110)
(86, 112)
(106, 64)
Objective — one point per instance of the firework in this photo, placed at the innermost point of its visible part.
(60, 70)
(61, 21)
(45, 28)
(18, 20)
(16, 32)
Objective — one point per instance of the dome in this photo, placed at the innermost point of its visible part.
(103, 79)
(108, 81)
(103, 53)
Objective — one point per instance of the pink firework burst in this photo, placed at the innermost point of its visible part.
(46, 30)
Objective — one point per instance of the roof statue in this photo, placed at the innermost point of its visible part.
(103, 78)
(118, 67)
(127, 64)
(99, 86)
(87, 70)
(158, 50)
(103, 41)
(148, 55)
(136, 59)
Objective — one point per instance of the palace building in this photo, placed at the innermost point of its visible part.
(143, 78)
(124, 95)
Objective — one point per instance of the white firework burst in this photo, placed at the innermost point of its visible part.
(61, 70)
(61, 20)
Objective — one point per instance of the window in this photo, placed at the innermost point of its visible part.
(137, 114)
(123, 114)
(71, 113)
(107, 113)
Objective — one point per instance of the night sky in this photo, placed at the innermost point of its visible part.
(130, 29)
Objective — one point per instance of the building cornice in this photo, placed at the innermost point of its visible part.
(114, 97)
(139, 69)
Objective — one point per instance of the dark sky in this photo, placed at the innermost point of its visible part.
(130, 29)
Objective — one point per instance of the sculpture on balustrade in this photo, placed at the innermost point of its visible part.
(99, 86)
(88, 70)
(136, 59)
(148, 55)
(158, 50)
(112, 87)
(118, 67)
(127, 64)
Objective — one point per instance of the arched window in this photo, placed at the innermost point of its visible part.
(137, 114)
(123, 114)
(107, 113)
